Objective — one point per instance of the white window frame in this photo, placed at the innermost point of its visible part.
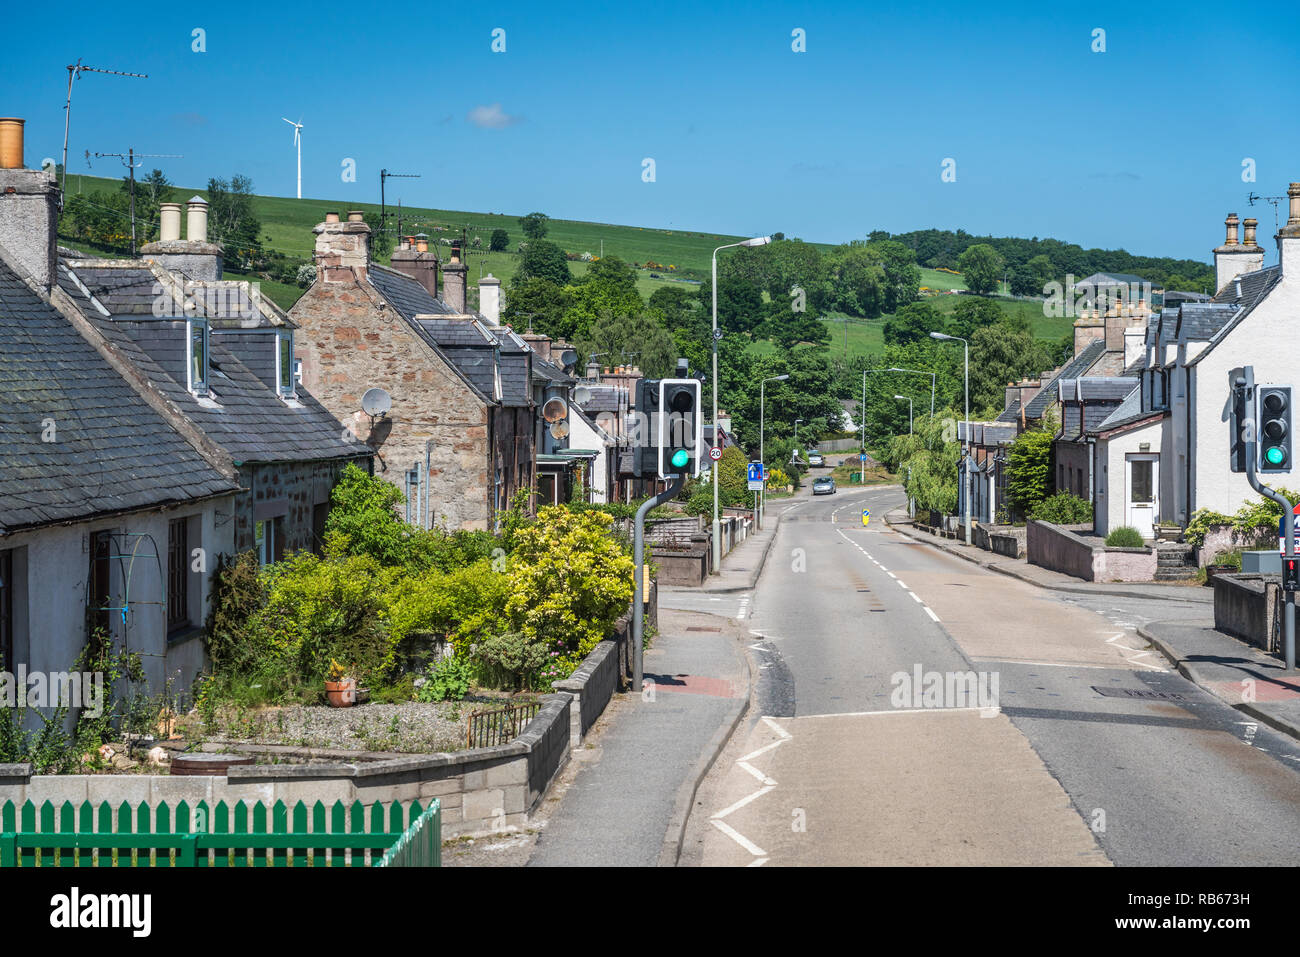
(285, 371)
(200, 387)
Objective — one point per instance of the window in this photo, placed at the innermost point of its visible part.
(198, 357)
(266, 541)
(98, 615)
(284, 364)
(178, 577)
(7, 610)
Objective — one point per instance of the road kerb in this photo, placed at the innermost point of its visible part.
(1192, 674)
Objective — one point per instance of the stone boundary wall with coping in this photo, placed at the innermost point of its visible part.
(1058, 548)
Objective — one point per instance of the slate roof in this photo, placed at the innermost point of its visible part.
(1095, 388)
(406, 294)
(1011, 413)
(1127, 412)
(112, 452)
(1254, 287)
(1075, 367)
(245, 416)
(1201, 321)
(1110, 279)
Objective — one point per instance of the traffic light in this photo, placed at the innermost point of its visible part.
(1273, 406)
(680, 428)
(1290, 574)
(645, 450)
(1238, 439)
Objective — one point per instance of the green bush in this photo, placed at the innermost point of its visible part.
(1124, 537)
(512, 659)
(1063, 508)
(569, 580)
(1229, 557)
(449, 680)
(1029, 469)
(459, 605)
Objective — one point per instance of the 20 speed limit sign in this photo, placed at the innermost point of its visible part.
(715, 453)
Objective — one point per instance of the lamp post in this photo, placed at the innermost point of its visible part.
(920, 372)
(862, 414)
(909, 411)
(965, 499)
(717, 525)
(762, 399)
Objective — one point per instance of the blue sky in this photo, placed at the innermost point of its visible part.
(1138, 147)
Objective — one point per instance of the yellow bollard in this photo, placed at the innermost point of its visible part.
(866, 517)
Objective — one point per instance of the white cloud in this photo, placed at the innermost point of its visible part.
(491, 117)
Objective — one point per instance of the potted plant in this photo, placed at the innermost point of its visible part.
(340, 690)
(1225, 563)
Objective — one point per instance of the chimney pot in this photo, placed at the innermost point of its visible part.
(422, 246)
(331, 217)
(169, 222)
(356, 216)
(1250, 225)
(1231, 223)
(196, 220)
(1293, 191)
(11, 142)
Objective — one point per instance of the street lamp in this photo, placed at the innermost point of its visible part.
(717, 525)
(796, 440)
(965, 499)
(909, 411)
(762, 398)
(862, 414)
(920, 372)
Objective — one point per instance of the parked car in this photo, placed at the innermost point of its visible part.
(824, 486)
(815, 459)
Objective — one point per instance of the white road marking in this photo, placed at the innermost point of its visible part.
(743, 801)
(929, 612)
(916, 598)
(740, 839)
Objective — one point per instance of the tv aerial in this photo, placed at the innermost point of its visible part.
(1272, 201)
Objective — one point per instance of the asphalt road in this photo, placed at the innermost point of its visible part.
(1087, 748)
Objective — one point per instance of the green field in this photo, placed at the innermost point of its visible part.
(853, 337)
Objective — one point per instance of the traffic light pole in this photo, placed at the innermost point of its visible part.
(1246, 382)
(638, 557)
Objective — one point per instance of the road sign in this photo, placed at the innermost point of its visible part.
(767, 473)
(866, 516)
(862, 457)
(715, 453)
(1281, 532)
(754, 476)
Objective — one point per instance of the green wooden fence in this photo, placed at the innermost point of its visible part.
(241, 835)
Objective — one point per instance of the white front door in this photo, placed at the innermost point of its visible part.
(1142, 482)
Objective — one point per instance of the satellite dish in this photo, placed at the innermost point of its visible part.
(581, 395)
(559, 429)
(568, 358)
(376, 402)
(554, 410)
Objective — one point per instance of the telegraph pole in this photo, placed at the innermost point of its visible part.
(129, 160)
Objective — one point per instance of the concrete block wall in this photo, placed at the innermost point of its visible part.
(1247, 607)
(1060, 549)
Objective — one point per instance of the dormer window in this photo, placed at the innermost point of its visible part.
(198, 356)
(284, 365)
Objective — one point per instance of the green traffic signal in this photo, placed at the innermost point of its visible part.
(680, 458)
(1275, 456)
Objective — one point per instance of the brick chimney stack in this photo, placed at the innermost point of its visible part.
(453, 280)
(342, 249)
(29, 208)
(414, 259)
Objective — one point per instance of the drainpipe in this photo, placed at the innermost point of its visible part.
(427, 517)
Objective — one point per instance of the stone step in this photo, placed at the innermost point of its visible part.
(1175, 574)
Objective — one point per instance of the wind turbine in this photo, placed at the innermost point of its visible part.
(297, 141)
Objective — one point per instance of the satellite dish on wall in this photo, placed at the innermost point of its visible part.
(581, 395)
(376, 402)
(568, 358)
(559, 429)
(554, 410)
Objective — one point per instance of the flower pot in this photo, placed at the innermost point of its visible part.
(1212, 570)
(341, 694)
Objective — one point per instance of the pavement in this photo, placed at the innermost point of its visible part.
(627, 804)
(1245, 677)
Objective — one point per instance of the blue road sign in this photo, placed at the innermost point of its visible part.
(862, 457)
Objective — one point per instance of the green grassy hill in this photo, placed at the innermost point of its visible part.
(287, 224)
